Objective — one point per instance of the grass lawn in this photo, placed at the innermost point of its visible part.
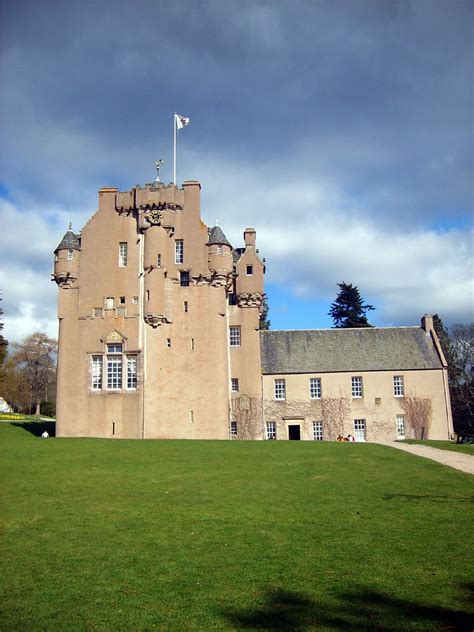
(467, 448)
(179, 535)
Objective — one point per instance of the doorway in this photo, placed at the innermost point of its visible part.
(294, 432)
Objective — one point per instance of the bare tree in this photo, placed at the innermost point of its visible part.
(418, 414)
(335, 411)
(35, 358)
(247, 412)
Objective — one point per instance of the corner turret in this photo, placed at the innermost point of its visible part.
(66, 259)
(220, 259)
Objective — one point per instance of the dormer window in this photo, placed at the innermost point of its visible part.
(70, 255)
(249, 270)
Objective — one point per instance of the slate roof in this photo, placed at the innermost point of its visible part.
(333, 350)
(70, 241)
(216, 236)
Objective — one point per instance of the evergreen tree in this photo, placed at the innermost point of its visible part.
(264, 323)
(348, 310)
(3, 342)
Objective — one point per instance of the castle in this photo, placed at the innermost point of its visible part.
(159, 338)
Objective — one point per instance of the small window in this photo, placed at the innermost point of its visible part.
(122, 300)
(232, 299)
(132, 372)
(158, 260)
(114, 348)
(186, 306)
(96, 373)
(184, 278)
(123, 254)
(233, 428)
(219, 250)
(191, 416)
(317, 430)
(97, 312)
(109, 303)
(280, 389)
(357, 387)
(135, 300)
(70, 255)
(234, 336)
(147, 295)
(270, 431)
(179, 251)
(398, 386)
(249, 270)
(192, 344)
(235, 384)
(168, 343)
(315, 387)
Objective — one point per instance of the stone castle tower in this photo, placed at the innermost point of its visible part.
(158, 319)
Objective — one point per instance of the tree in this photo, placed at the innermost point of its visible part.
(34, 357)
(349, 310)
(3, 342)
(458, 348)
(418, 413)
(264, 323)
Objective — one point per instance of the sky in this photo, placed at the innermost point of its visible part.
(342, 130)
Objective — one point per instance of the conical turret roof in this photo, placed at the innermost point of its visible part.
(216, 236)
(70, 241)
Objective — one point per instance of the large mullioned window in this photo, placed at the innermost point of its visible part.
(398, 386)
(280, 389)
(121, 369)
(315, 387)
(357, 387)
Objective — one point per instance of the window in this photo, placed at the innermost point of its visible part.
(356, 387)
(135, 300)
(315, 387)
(218, 250)
(122, 300)
(70, 255)
(280, 389)
(168, 343)
(232, 299)
(186, 306)
(123, 254)
(158, 260)
(398, 386)
(235, 384)
(109, 303)
(179, 251)
(249, 270)
(120, 311)
(132, 371)
(147, 295)
(233, 428)
(114, 371)
(97, 312)
(234, 336)
(114, 348)
(317, 430)
(270, 430)
(184, 278)
(192, 344)
(96, 373)
(400, 426)
(359, 429)
(191, 416)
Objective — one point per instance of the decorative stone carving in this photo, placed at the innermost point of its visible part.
(154, 320)
(64, 279)
(114, 336)
(250, 300)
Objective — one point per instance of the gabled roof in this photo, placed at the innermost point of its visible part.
(70, 241)
(216, 236)
(333, 350)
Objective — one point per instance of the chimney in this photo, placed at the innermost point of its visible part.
(427, 323)
(249, 237)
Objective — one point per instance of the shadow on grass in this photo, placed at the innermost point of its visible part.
(434, 499)
(37, 428)
(357, 610)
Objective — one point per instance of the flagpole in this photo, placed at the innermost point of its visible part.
(174, 147)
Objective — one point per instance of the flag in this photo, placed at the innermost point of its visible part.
(181, 121)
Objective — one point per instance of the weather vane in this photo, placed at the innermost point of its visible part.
(158, 164)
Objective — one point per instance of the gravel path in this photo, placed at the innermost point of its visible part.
(457, 460)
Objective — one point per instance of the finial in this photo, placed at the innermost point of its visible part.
(158, 164)
(217, 222)
(70, 226)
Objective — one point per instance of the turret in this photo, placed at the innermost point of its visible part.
(219, 256)
(66, 259)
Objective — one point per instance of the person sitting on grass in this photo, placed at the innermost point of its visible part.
(45, 435)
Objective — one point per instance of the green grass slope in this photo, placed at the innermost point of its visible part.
(180, 535)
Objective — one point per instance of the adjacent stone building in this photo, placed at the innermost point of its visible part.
(159, 338)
